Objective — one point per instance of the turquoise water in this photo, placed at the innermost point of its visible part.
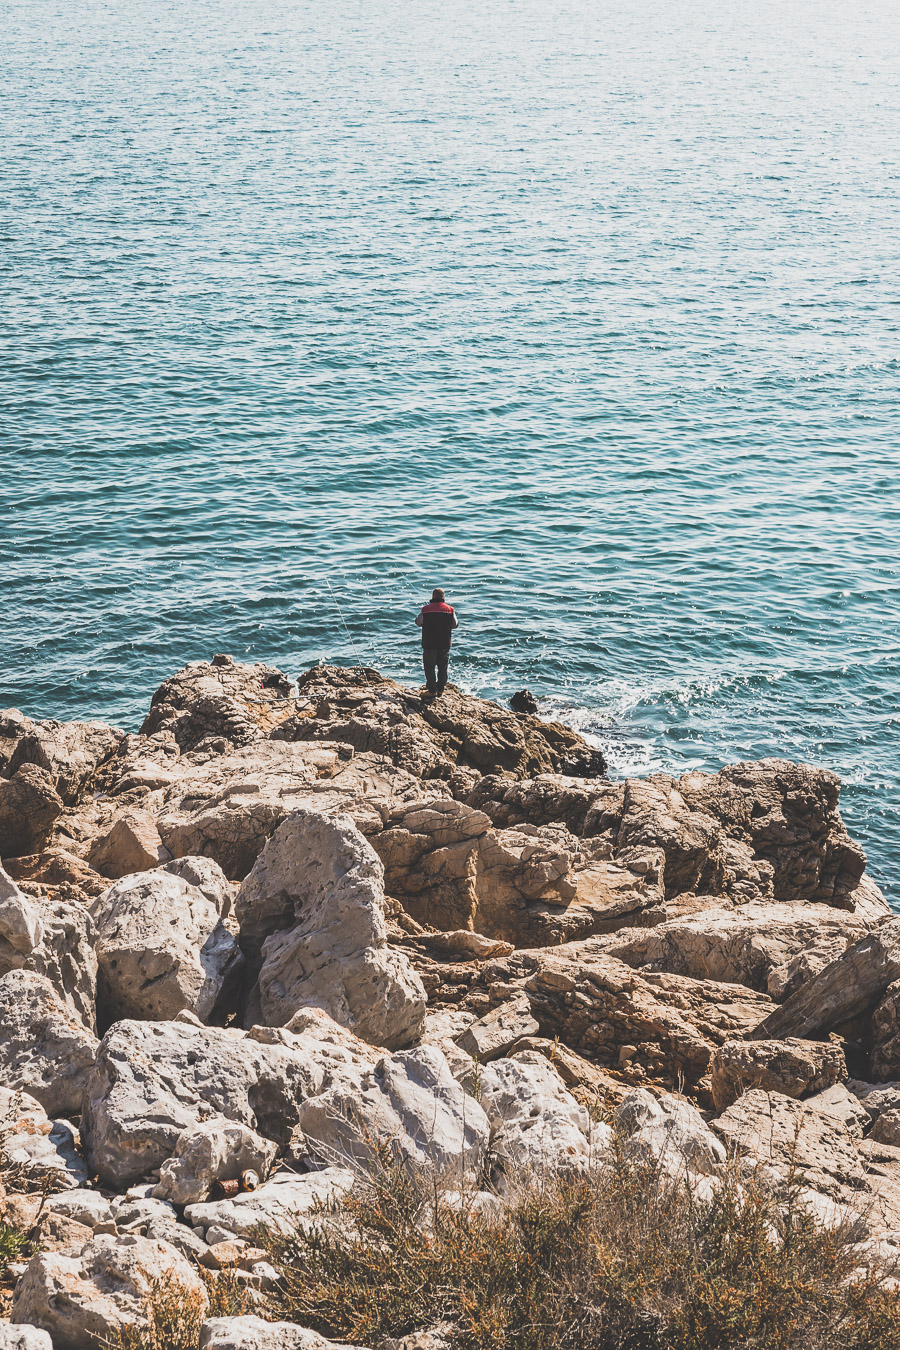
(587, 312)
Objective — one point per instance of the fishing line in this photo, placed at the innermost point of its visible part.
(346, 630)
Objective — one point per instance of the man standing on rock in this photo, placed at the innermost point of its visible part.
(437, 621)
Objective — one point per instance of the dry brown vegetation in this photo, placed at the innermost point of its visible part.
(626, 1259)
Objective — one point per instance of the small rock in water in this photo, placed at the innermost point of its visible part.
(524, 701)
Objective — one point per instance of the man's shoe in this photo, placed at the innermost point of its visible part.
(440, 689)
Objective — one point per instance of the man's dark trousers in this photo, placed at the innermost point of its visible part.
(435, 660)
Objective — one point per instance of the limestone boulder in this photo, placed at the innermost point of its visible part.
(161, 948)
(47, 1151)
(90, 1298)
(252, 1333)
(539, 1127)
(795, 1068)
(213, 1150)
(497, 1032)
(68, 752)
(526, 885)
(45, 1050)
(884, 1060)
(787, 814)
(51, 938)
(208, 877)
(132, 844)
(655, 815)
(847, 987)
(23, 1338)
(84, 1206)
(284, 1201)
(409, 1105)
(153, 1080)
(29, 805)
(794, 1140)
(669, 1132)
(313, 907)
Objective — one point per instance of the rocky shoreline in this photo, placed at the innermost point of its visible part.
(284, 926)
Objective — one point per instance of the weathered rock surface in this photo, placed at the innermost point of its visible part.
(495, 1033)
(539, 1126)
(132, 844)
(252, 1333)
(215, 1150)
(667, 1025)
(751, 944)
(409, 1105)
(669, 1132)
(68, 752)
(227, 805)
(161, 948)
(280, 1204)
(45, 1049)
(29, 804)
(794, 1139)
(50, 938)
(23, 1338)
(85, 1299)
(152, 1080)
(314, 904)
(794, 1068)
(842, 990)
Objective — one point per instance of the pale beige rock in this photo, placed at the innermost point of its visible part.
(741, 944)
(51, 938)
(793, 1067)
(285, 1200)
(497, 1032)
(68, 752)
(314, 903)
(214, 1150)
(252, 1333)
(153, 1080)
(410, 1105)
(161, 948)
(83, 1299)
(227, 806)
(597, 1006)
(794, 1139)
(842, 990)
(47, 1151)
(45, 1050)
(23, 1338)
(539, 1127)
(131, 845)
(669, 1132)
(29, 804)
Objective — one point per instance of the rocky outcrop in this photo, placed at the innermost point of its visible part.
(452, 943)
(161, 948)
(252, 1333)
(842, 990)
(29, 805)
(312, 922)
(408, 1107)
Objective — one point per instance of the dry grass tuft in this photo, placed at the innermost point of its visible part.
(626, 1259)
(173, 1315)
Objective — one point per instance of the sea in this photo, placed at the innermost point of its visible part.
(587, 312)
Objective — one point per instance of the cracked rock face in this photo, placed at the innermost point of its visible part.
(45, 1050)
(153, 1080)
(161, 948)
(313, 910)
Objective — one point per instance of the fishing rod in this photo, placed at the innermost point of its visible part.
(353, 647)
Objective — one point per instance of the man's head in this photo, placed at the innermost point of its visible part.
(436, 595)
